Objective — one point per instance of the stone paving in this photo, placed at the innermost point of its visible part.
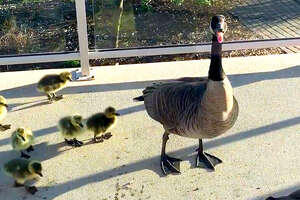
(271, 19)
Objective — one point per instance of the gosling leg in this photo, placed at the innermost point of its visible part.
(31, 189)
(24, 155)
(5, 127)
(50, 98)
(209, 161)
(167, 161)
(74, 142)
(30, 148)
(97, 139)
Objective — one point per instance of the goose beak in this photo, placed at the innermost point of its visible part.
(40, 174)
(219, 36)
(117, 114)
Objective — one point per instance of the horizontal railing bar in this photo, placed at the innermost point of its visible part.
(193, 48)
(146, 51)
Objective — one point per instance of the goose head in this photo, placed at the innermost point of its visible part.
(65, 76)
(218, 27)
(76, 120)
(111, 112)
(35, 167)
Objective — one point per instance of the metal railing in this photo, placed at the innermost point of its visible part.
(84, 54)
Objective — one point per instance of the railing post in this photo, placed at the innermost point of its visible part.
(82, 37)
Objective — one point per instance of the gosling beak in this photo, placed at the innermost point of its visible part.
(40, 174)
(70, 79)
(117, 114)
(6, 105)
(22, 137)
(81, 125)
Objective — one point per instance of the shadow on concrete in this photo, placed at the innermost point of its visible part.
(153, 162)
(237, 80)
(281, 193)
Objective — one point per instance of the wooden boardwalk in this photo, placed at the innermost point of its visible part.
(271, 19)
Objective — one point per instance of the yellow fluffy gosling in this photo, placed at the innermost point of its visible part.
(23, 170)
(22, 139)
(101, 122)
(70, 127)
(52, 83)
(3, 112)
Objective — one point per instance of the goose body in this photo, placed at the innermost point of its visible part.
(52, 83)
(71, 127)
(22, 139)
(100, 123)
(195, 107)
(3, 113)
(23, 170)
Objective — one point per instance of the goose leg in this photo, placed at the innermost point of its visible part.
(31, 189)
(206, 159)
(167, 161)
(24, 155)
(30, 148)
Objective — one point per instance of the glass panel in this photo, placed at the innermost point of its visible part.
(36, 26)
(140, 23)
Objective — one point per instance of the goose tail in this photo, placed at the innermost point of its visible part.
(137, 99)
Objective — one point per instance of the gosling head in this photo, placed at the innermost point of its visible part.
(3, 101)
(218, 27)
(20, 133)
(65, 76)
(111, 112)
(76, 120)
(35, 167)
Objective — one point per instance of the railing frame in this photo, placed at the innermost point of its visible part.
(84, 55)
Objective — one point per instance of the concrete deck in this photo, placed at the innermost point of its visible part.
(260, 154)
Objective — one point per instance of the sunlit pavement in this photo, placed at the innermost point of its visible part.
(260, 153)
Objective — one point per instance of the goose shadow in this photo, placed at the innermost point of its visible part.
(153, 162)
(237, 80)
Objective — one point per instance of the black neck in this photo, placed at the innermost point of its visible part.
(216, 72)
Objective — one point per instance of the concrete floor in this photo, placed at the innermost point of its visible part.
(260, 154)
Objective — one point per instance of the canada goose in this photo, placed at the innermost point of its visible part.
(293, 196)
(3, 112)
(102, 122)
(195, 107)
(52, 83)
(70, 127)
(22, 139)
(23, 170)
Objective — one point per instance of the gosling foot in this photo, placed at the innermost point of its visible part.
(74, 142)
(59, 97)
(209, 161)
(98, 139)
(172, 164)
(31, 189)
(5, 127)
(29, 149)
(24, 155)
(106, 136)
(16, 184)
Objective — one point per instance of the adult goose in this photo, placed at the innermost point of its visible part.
(195, 107)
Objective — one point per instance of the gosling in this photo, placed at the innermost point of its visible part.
(3, 112)
(23, 170)
(52, 83)
(22, 139)
(71, 127)
(101, 122)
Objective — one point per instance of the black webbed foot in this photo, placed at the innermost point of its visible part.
(29, 149)
(77, 143)
(31, 189)
(5, 127)
(18, 184)
(24, 155)
(106, 136)
(59, 97)
(172, 164)
(209, 161)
